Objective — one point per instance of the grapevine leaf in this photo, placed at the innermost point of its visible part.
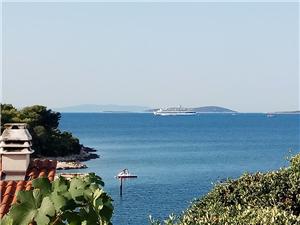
(23, 213)
(59, 201)
(94, 187)
(46, 209)
(28, 209)
(88, 193)
(26, 196)
(109, 205)
(98, 193)
(98, 204)
(78, 183)
(67, 195)
(6, 220)
(60, 185)
(93, 178)
(106, 212)
(76, 189)
(77, 194)
(72, 218)
(38, 196)
(90, 215)
(43, 184)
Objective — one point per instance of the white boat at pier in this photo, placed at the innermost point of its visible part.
(125, 174)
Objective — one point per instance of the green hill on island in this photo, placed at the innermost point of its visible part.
(212, 109)
(204, 109)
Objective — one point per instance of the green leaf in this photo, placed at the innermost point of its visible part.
(67, 195)
(26, 196)
(6, 220)
(60, 185)
(77, 183)
(59, 201)
(46, 209)
(88, 193)
(32, 208)
(43, 184)
(73, 218)
(77, 187)
(38, 196)
(93, 178)
(94, 187)
(98, 204)
(106, 213)
(98, 193)
(23, 213)
(89, 214)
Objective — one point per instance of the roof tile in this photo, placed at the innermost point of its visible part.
(10, 189)
(3, 209)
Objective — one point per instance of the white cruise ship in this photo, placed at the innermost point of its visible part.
(174, 111)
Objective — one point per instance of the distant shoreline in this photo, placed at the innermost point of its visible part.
(287, 112)
(118, 109)
(277, 113)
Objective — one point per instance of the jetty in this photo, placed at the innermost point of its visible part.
(124, 174)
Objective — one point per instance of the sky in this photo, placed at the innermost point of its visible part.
(243, 56)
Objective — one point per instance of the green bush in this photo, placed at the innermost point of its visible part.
(43, 123)
(260, 198)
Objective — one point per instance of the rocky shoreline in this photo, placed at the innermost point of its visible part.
(61, 165)
(75, 161)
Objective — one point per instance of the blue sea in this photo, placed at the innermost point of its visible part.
(178, 158)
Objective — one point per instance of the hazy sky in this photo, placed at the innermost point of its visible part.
(242, 56)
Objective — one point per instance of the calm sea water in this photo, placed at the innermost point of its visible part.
(177, 158)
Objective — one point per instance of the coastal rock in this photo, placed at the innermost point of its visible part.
(75, 161)
(71, 175)
(70, 165)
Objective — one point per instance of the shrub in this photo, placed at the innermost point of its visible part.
(260, 198)
(43, 123)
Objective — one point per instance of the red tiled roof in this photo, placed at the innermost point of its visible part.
(9, 189)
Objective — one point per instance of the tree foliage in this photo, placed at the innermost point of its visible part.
(260, 198)
(79, 201)
(43, 123)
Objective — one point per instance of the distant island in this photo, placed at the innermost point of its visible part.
(288, 112)
(205, 109)
(94, 108)
(213, 109)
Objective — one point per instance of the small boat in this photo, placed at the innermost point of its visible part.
(125, 174)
